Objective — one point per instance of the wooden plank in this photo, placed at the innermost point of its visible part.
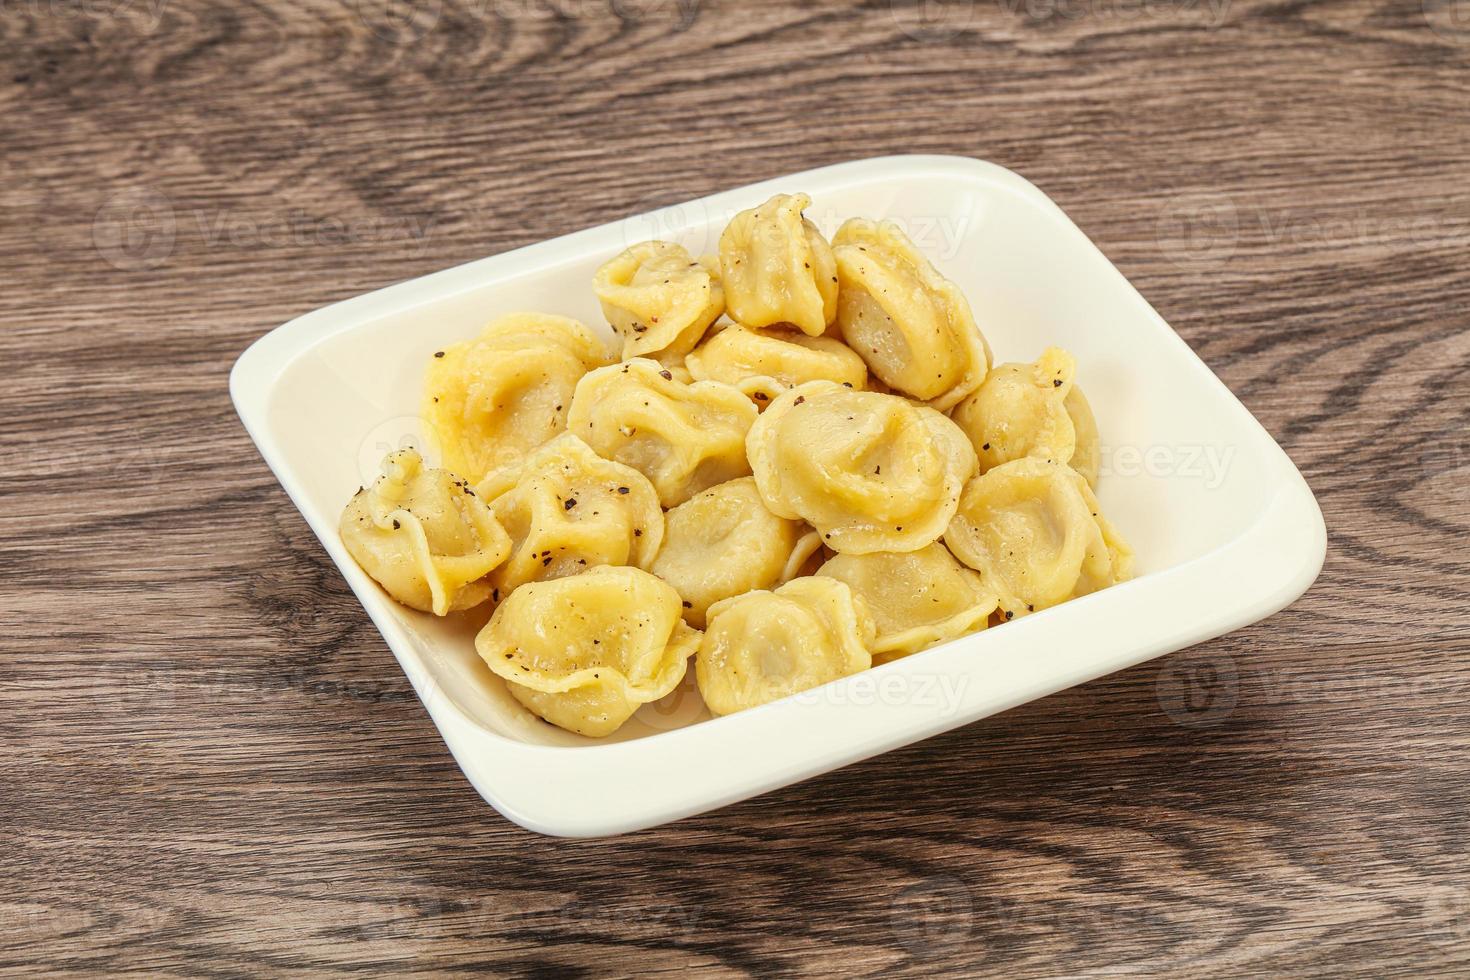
(213, 764)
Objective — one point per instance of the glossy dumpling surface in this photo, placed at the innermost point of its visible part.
(1021, 410)
(777, 267)
(1032, 530)
(723, 542)
(424, 536)
(684, 437)
(1087, 454)
(764, 363)
(871, 472)
(659, 299)
(584, 652)
(762, 646)
(568, 509)
(911, 325)
(489, 401)
(917, 598)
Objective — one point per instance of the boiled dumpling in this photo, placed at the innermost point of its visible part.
(1097, 574)
(764, 363)
(871, 472)
(684, 437)
(910, 324)
(659, 299)
(917, 599)
(567, 509)
(762, 646)
(1032, 530)
(1087, 456)
(424, 536)
(1023, 410)
(723, 542)
(489, 401)
(584, 652)
(778, 268)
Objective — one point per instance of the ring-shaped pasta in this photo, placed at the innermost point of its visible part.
(424, 536)
(723, 542)
(490, 400)
(1026, 526)
(684, 437)
(871, 472)
(777, 267)
(659, 299)
(584, 652)
(917, 598)
(1021, 410)
(911, 325)
(762, 646)
(764, 363)
(567, 509)
(1087, 456)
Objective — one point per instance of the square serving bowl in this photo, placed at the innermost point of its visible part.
(1225, 529)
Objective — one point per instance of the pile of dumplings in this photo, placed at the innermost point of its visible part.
(801, 462)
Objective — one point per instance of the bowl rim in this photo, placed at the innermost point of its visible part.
(581, 790)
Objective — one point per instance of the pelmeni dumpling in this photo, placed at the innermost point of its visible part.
(424, 535)
(489, 401)
(1120, 556)
(1033, 532)
(917, 599)
(1022, 410)
(584, 652)
(871, 472)
(1087, 456)
(659, 299)
(724, 542)
(910, 324)
(762, 646)
(764, 363)
(567, 509)
(778, 268)
(684, 437)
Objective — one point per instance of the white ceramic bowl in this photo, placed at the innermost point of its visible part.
(1226, 530)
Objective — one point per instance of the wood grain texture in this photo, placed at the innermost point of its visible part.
(212, 765)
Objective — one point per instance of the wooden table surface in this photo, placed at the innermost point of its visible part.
(212, 764)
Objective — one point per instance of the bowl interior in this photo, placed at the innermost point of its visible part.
(1174, 478)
